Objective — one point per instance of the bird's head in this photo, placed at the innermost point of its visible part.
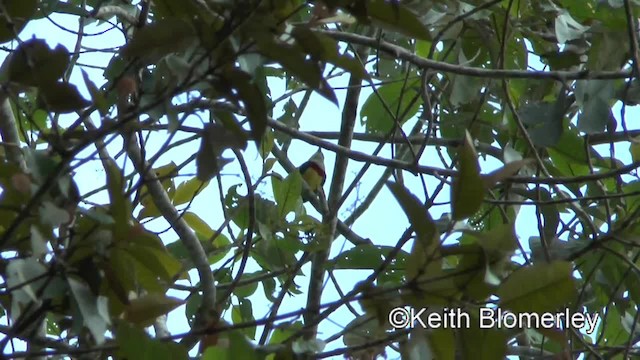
(318, 158)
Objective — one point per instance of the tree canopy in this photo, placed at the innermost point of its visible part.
(492, 140)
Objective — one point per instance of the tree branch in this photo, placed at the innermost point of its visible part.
(9, 133)
(423, 63)
(186, 235)
(330, 219)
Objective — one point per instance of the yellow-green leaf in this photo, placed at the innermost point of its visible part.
(396, 16)
(134, 343)
(159, 38)
(33, 63)
(144, 310)
(539, 288)
(187, 190)
(120, 205)
(481, 343)
(399, 97)
(61, 97)
(442, 343)
(287, 192)
(159, 262)
(198, 225)
(419, 217)
(19, 13)
(467, 190)
(97, 96)
(120, 270)
(255, 105)
(634, 149)
(295, 61)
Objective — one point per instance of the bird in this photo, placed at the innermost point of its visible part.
(313, 173)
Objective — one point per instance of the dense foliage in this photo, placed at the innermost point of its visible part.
(477, 110)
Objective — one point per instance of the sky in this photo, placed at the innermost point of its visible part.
(383, 223)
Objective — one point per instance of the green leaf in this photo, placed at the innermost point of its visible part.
(473, 274)
(134, 343)
(416, 212)
(634, 149)
(234, 346)
(284, 331)
(216, 353)
(187, 191)
(33, 63)
(482, 344)
(120, 205)
(146, 276)
(362, 330)
(539, 288)
(467, 190)
(144, 310)
(18, 13)
(159, 262)
(52, 214)
(240, 347)
(244, 291)
(464, 89)
(48, 7)
(61, 97)
(423, 47)
(368, 256)
(214, 140)
(270, 256)
(563, 60)
(26, 277)
(119, 272)
(294, 61)
(443, 343)
(93, 310)
(170, 9)
(425, 246)
(287, 192)
(397, 17)
(399, 97)
(40, 164)
(567, 28)
(498, 243)
(593, 97)
(613, 334)
(569, 155)
(251, 96)
(97, 96)
(159, 38)
(165, 175)
(543, 122)
(266, 145)
(608, 51)
(324, 48)
(198, 225)
(244, 313)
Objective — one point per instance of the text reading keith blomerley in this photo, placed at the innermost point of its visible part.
(492, 318)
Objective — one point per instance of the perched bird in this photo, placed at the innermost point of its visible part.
(313, 173)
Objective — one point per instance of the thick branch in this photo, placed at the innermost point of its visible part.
(423, 63)
(106, 12)
(186, 235)
(9, 133)
(430, 170)
(330, 220)
(412, 139)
